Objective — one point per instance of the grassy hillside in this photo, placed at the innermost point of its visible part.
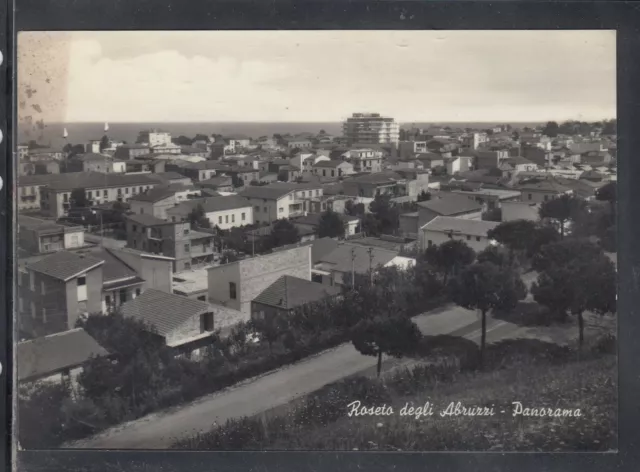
(320, 421)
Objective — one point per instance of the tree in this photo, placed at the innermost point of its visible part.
(586, 283)
(563, 253)
(331, 225)
(449, 257)
(197, 217)
(485, 286)
(270, 328)
(493, 214)
(515, 235)
(608, 193)
(380, 335)
(354, 209)
(284, 232)
(78, 198)
(493, 254)
(562, 209)
(370, 225)
(104, 143)
(424, 196)
(386, 213)
(182, 141)
(551, 129)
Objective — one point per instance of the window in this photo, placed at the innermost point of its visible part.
(232, 290)
(107, 300)
(219, 220)
(135, 228)
(265, 209)
(530, 196)
(430, 243)
(105, 193)
(65, 197)
(89, 195)
(243, 216)
(186, 231)
(140, 189)
(317, 193)
(126, 190)
(546, 197)
(468, 238)
(202, 298)
(187, 265)
(233, 218)
(186, 248)
(123, 296)
(137, 292)
(207, 322)
(226, 218)
(119, 192)
(82, 281)
(477, 238)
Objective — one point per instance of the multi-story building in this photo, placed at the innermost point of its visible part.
(174, 239)
(154, 137)
(168, 148)
(473, 140)
(281, 200)
(365, 160)
(37, 236)
(45, 154)
(450, 205)
(407, 149)
(101, 163)
(55, 290)
(371, 128)
(237, 284)
(224, 212)
(196, 171)
(99, 188)
(131, 151)
(154, 202)
(333, 168)
(29, 188)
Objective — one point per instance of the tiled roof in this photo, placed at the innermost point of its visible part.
(163, 176)
(114, 268)
(88, 180)
(543, 185)
(313, 219)
(451, 204)
(289, 292)
(378, 177)
(153, 195)
(212, 204)
(446, 224)
(340, 259)
(48, 355)
(146, 220)
(221, 180)
(266, 191)
(163, 311)
(429, 156)
(332, 163)
(64, 265)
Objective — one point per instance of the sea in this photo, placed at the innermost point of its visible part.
(51, 134)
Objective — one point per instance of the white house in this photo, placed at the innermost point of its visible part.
(223, 212)
(444, 228)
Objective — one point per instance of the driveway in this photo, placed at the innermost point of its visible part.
(276, 388)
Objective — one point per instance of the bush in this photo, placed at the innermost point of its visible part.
(605, 344)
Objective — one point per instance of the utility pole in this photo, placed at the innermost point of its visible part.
(353, 268)
(370, 251)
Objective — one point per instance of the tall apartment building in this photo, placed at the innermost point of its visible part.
(371, 128)
(155, 137)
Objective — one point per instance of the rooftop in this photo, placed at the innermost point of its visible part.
(340, 259)
(87, 180)
(48, 355)
(146, 220)
(64, 265)
(290, 292)
(446, 224)
(451, 204)
(332, 163)
(163, 311)
(212, 204)
(153, 195)
(269, 192)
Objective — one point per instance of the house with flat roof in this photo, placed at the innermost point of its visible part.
(512, 211)
(445, 228)
(154, 202)
(286, 294)
(56, 358)
(186, 247)
(541, 189)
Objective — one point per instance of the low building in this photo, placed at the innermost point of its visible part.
(170, 178)
(273, 202)
(408, 224)
(99, 188)
(131, 151)
(512, 211)
(332, 168)
(365, 160)
(338, 266)
(186, 247)
(299, 144)
(312, 222)
(155, 166)
(540, 190)
(196, 171)
(219, 183)
(37, 236)
(56, 358)
(185, 325)
(154, 202)
(430, 160)
(448, 204)
(288, 293)
(237, 284)
(443, 228)
(224, 212)
(490, 198)
(388, 183)
(46, 154)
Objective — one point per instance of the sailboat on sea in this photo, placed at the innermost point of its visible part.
(106, 127)
(65, 135)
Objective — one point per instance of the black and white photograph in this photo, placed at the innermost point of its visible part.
(316, 240)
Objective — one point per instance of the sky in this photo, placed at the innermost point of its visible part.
(316, 76)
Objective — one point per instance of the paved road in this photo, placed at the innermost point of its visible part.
(160, 430)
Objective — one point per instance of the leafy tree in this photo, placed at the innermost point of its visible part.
(493, 254)
(270, 328)
(386, 213)
(331, 225)
(516, 235)
(542, 235)
(449, 257)
(197, 217)
(370, 225)
(380, 335)
(608, 193)
(228, 257)
(563, 253)
(78, 198)
(199, 137)
(562, 209)
(354, 209)
(485, 286)
(182, 141)
(284, 232)
(586, 283)
(494, 214)
(104, 143)
(424, 196)
(551, 129)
